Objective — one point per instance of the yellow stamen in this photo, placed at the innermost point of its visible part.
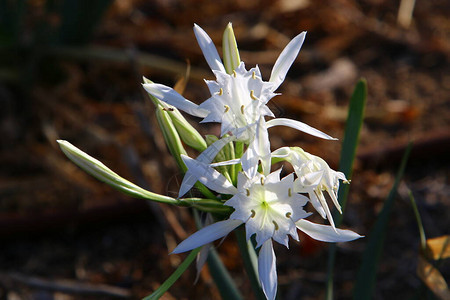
(253, 75)
(234, 73)
(248, 192)
(227, 108)
(242, 109)
(253, 214)
(262, 180)
(252, 95)
(276, 225)
(290, 193)
(221, 92)
(288, 214)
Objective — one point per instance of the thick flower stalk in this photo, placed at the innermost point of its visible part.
(270, 210)
(239, 97)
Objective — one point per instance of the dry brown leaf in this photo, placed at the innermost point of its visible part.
(432, 278)
(180, 85)
(438, 248)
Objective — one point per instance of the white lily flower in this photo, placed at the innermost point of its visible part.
(270, 210)
(239, 100)
(314, 177)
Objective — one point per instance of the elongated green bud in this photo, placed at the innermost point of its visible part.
(171, 136)
(188, 134)
(97, 169)
(231, 58)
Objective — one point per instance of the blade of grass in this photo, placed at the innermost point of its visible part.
(222, 278)
(219, 273)
(348, 152)
(365, 281)
(174, 277)
(250, 262)
(423, 239)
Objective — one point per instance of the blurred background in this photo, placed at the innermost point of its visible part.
(73, 70)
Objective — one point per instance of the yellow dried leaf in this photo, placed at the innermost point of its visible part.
(432, 278)
(180, 85)
(438, 248)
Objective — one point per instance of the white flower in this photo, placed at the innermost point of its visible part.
(314, 177)
(239, 100)
(270, 210)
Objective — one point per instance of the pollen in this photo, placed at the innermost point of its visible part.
(242, 109)
(248, 192)
(234, 73)
(253, 214)
(276, 225)
(252, 95)
(221, 92)
(253, 75)
(227, 108)
(290, 192)
(262, 180)
(288, 215)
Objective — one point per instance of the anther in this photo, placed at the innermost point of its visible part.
(290, 192)
(227, 108)
(248, 192)
(234, 73)
(253, 214)
(242, 109)
(288, 214)
(252, 95)
(221, 92)
(276, 225)
(253, 75)
(262, 180)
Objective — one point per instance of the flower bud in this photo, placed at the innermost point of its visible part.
(231, 59)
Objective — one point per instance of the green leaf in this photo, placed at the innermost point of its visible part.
(250, 259)
(423, 239)
(174, 277)
(366, 278)
(219, 273)
(351, 139)
(222, 278)
(348, 152)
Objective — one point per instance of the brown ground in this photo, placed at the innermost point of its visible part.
(56, 223)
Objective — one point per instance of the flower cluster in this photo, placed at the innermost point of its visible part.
(237, 165)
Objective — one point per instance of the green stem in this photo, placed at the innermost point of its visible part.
(250, 259)
(423, 239)
(232, 168)
(174, 277)
(222, 278)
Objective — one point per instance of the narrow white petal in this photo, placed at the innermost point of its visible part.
(209, 176)
(207, 235)
(205, 157)
(226, 163)
(326, 233)
(263, 144)
(249, 161)
(267, 270)
(170, 96)
(299, 126)
(286, 59)
(209, 50)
